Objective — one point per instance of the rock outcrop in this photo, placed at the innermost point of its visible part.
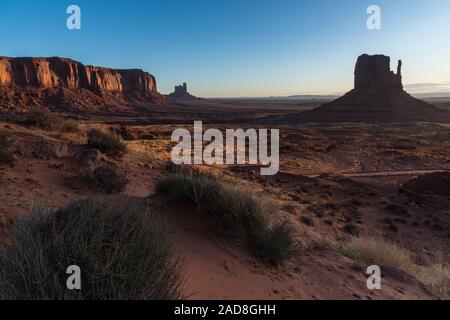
(378, 96)
(57, 82)
(181, 93)
(374, 73)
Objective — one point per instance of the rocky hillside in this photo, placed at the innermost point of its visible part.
(65, 83)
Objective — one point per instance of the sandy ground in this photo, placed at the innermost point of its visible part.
(217, 268)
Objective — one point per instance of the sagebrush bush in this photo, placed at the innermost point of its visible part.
(49, 121)
(107, 179)
(107, 142)
(7, 156)
(238, 212)
(122, 251)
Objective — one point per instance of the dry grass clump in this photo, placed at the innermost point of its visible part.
(382, 252)
(122, 251)
(7, 156)
(49, 121)
(151, 159)
(240, 213)
(107, 142)
(107, 179)
(436, 278)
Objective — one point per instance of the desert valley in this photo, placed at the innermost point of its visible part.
(363, 179)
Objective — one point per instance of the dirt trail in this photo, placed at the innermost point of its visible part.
(384, 173)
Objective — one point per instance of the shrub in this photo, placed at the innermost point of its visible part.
(238, 212)
(49, 121)
(7, 156)
(107, 142)
(274, 244)
(107, 179)
(122, 251)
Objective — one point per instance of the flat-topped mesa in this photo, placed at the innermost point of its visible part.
(66, 85)
(55, 72)
(374, 73)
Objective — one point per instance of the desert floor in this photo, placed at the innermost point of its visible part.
(336, 182)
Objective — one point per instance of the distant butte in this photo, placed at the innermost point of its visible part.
(181, 93)
(62, 84)
(378, 96)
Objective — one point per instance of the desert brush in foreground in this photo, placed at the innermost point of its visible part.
(239, 213)
(122, 251)
(435, 277)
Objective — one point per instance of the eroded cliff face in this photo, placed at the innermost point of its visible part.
(33, 79)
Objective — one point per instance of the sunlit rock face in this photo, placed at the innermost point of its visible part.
(70, 74)
(34, 79)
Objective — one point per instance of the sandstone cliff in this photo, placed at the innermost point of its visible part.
(60, 82)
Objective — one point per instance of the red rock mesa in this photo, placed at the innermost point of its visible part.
(65, 83)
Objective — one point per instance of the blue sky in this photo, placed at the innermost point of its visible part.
(238, 47)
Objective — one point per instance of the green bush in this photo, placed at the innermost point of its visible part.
(107, 142)
(238, 212)
(49, 121)
(7, 156)
(123, 253)
(107, 179)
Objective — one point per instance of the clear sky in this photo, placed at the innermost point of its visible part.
(235, 48)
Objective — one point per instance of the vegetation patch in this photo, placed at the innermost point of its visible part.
(50, 121)
(122, 251)
(240, 213)
(107, 142)
(107, 179)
